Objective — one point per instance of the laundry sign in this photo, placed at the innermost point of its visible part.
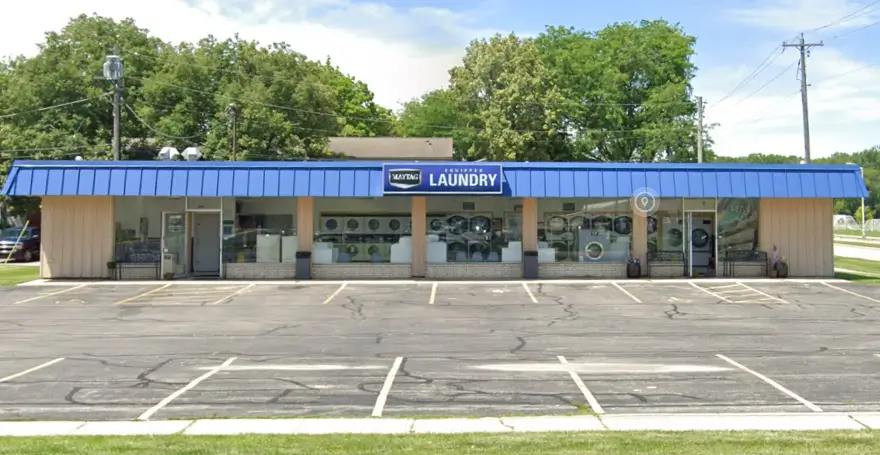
(464, 178)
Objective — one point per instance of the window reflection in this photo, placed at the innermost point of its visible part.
(666, 227)
(737, 224)
(474, 229)
(358, 230)
(584, 230)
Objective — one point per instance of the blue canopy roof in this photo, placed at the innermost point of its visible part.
(365, 179)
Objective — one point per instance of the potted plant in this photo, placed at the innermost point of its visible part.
(781, 267)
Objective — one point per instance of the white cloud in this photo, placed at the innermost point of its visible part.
(844, 107)
(800, 15)
(844, 99)
(396, 69)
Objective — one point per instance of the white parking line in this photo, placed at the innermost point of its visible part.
(723, 299)
(239, 291)
(629, 294)
(386, 388)
(763, 293)
(31, 370)
(433, 293)
(529, 292)
(143, 294)
(149, 412)
(773, 383)
(43, 296)
(335, 293)
(591, 400)
(851, 292)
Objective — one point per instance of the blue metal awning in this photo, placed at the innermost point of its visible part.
(366, 179)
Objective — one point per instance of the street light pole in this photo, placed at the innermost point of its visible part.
(864, 215)
(113, 73)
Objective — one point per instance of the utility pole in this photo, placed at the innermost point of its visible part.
(232, 112)
(699, 129)
(113, 73)
(804, 48)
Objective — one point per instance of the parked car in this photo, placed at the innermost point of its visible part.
(26, 249)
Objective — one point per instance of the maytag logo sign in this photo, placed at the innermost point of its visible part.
(447, 178)
(404, 178)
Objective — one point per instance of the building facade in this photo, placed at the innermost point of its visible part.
(430, 219)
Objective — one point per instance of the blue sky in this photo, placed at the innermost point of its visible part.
(403, 48)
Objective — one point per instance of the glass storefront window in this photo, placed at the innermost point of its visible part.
(363, 230)
(737, 224)
(473, 229)
(139, 227)
(261, 230)
(666, 227)
(584, 230)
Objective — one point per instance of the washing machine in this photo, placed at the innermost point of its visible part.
(436, 225)
(377, 252)
(457, 251)
(480, 225)
(355, 225)
(578, 222)
(556, 229)
(356, 252)
(623, 225)
(398, 225)
(478, 251)
(331, 225)
(375, 225)
(593, 245)
(602, 223)
(702, 233)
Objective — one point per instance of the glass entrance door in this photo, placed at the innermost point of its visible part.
(699, 243)
(174, 252)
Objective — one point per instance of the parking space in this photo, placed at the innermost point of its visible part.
(501, 293)
(600, 293)
(184, 350)
(673, 293)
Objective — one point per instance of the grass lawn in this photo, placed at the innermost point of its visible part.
(10, 275)
(857, 243)
(857, 233)
(585, 443)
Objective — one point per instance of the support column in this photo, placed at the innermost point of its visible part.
(530, 238)
(419, 235)
(639, 239)
(305, 236)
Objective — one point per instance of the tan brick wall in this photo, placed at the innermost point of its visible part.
(666, 269)
(261, 271)
(581, 270)
(463, 271)
(361, 271)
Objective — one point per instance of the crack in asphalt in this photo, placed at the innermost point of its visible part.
(356, 309)
(673, 312)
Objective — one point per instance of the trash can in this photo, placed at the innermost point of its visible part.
(303, 265)
(530, 265)
(633, 270)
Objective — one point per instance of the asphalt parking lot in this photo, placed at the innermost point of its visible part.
(228, 349)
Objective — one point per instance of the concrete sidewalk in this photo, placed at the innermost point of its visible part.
(617, 422)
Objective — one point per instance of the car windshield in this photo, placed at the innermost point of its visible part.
(12, 232)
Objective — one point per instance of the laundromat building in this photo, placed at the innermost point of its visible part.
(420, 216)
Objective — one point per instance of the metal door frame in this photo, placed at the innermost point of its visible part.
(219, 213)
(687, 243)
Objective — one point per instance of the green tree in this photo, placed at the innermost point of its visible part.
(627, 91)
(436, 114)
(506, 95)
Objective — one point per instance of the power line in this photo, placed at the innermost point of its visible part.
(157, 132)
(768, 82)
(761, 67)
(53, 107)
(850, 32)
(851, 15)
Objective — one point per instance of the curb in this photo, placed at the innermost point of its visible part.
(802, 421)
